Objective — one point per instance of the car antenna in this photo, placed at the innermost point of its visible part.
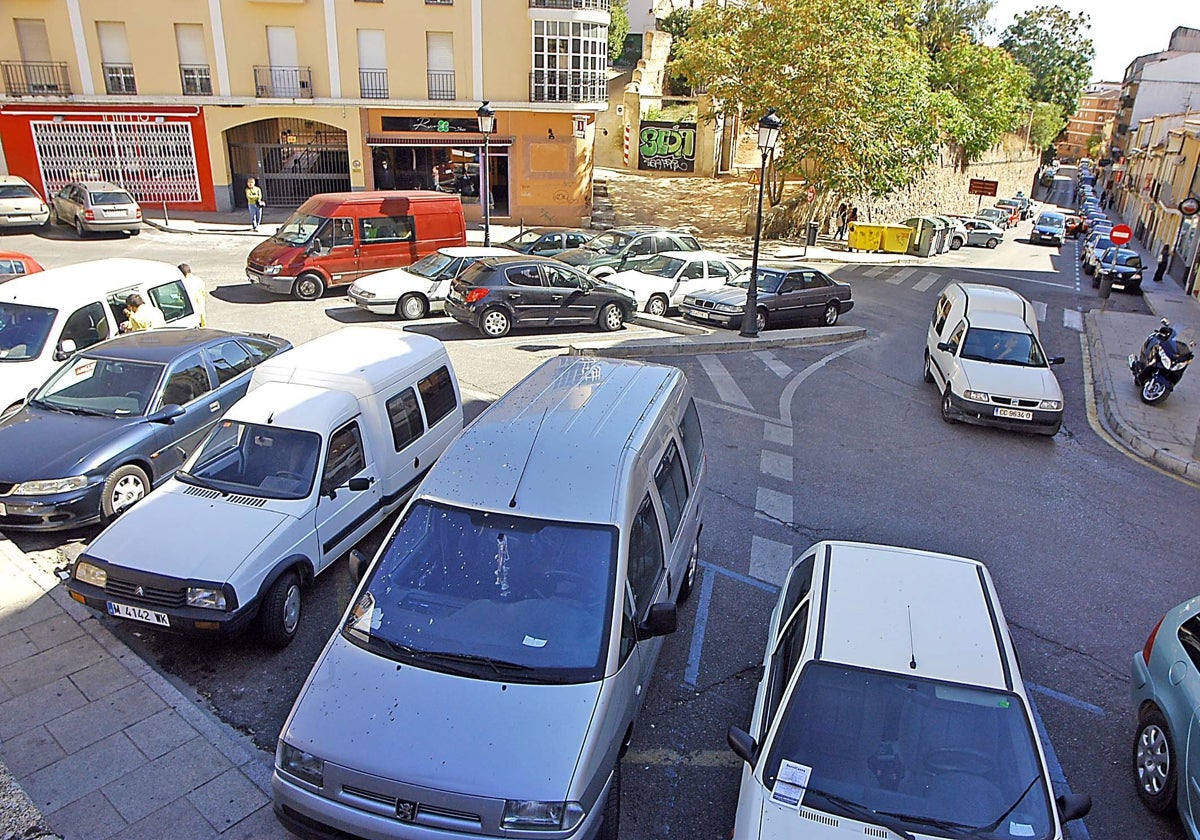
(512, 503)
(912, 662)
(270, 417)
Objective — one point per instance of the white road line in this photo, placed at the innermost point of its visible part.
(775, 433)
(900, 276)
(727, 388)
(769, 560)
(775, 464)
(874, 271)
(1039, 306)
(773, 504)
(1073, 319)
(925, 282)
(1017, 277)
(789, 390)
(773, 364)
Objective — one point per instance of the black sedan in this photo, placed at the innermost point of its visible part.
(546, 242)
(118, 419)
(499, 293)
(786, 291)
(1123, 265)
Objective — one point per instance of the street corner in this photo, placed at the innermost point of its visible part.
(729, 342)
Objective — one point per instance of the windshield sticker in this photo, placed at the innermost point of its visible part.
(502, 565)
(85, 369)
(530, 641)
(790, 784)
(1017, 829)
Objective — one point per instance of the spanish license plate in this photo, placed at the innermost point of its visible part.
(703, 316)
(116, 213)
(20, 218)
(1014, 414)
(252, 277)
(138, 614)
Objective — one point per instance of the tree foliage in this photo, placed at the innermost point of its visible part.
(1045, 124)
(618, 28)
(677, 23)
(980, 95)
(1051, 43)
(1095, 144)
(941, 24)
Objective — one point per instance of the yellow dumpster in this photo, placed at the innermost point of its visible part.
(895, 238)
(864, 237)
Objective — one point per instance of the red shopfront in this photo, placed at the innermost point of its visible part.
(159, 154)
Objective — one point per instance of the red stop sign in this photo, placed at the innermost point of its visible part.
(1120, 234)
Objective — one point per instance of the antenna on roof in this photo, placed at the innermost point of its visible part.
(912, 651)
(512, 503)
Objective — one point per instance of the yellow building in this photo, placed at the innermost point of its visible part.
(1095, 116)
(183, 101)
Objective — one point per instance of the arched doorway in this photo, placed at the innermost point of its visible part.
(291, 159)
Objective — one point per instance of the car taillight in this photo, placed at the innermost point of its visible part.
(1146, 648)
(476, 295)
(139, 213)
(90, 215)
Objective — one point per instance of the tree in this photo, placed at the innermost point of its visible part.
(980, 95)
(618, 28)
(1045, 124)
(677, 23)
(1095, 144)
(940, 24)
(1052, 45)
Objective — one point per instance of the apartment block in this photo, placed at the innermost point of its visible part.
(1094, 117)
(1166, 82)
(182, 101)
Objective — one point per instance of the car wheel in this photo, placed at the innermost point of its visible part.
(612, 317)
(831, 314)
(495, 323)
(281, 611)
(610, 823)
(657, 305)
(689, 574)
(955, 244)
(928, 372)
(79, 231)
(1154, 762)
(308, 287)
(948, 407)
(992, 242)
(760, 320)
(124, 487)
(412, 307)
(135, 232)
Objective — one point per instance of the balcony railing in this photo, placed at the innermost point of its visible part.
(441, 84)
(600, 5)
(36, 78)
(195, 79)
(283, 82)
(118, 79)
(372, 83)
(567, 86)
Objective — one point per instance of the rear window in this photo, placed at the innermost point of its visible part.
(100, 198)
(17, 191)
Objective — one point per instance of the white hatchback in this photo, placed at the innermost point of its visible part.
(416, 290)
(661, 282)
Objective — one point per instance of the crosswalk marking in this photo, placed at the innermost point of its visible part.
(1073, 320)
(900, 276)
(727, 388)
(774, 464)
(925, 282)
(1039, 306)
(769, 560)
(874, 271)
(775, 433)
(773, 364)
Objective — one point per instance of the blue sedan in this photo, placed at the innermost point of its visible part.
(116, 420)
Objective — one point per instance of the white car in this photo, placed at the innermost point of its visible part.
(416, 290)
(983, 354)
(20, 205)
(661, 282)
(891, 705)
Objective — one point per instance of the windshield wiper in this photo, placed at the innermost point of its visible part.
(403, 651)
(72, 409)
(962, 829)
(859, 811)
(996, 823)
(188, 478)
(473, 659)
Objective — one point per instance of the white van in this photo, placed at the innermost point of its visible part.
(486, 678)
(46, 317)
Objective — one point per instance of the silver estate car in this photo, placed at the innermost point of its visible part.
(95, 206)
(486, 678)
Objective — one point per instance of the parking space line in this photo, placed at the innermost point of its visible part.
(900, 276)
(774, 433)
(776, 465)
(773, 364)
(1039, 306)
(727, 389)
(770, 560)
(740, 578)
(925, 282)
(692, 673)
(1068, 699)
(772, 504)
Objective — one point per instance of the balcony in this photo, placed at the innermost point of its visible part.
(283, 82)
(567, 86)
(118, 79)
(372, 83)
(599, 5)
(36, 78)
(441, 84)
(195, 80)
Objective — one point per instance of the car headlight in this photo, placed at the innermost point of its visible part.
(50, 485)
(87, 573)
(728, 308)
(362, 293)
(1051, 405)
(532, 815)
(302, 765)
(208, 597)
(273, 269)
(978, 396)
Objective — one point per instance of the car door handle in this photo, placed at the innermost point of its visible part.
(556, 298)
(215, 405)
(514, 295)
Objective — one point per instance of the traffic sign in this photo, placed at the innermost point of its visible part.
(979, 186)
(1120, 234)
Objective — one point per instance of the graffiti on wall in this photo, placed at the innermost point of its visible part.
(667, 147)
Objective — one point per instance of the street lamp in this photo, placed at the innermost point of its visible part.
(768, 134)
(487, 124)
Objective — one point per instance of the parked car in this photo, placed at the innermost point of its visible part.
(1074, 226)
(15, 264)
(1097, 242)
(499, 293)
(118, 419)
(983, 353)
(1000, 218)
(1123, 265)
(1026, 204)
(621, 248)
(415, 291)
(786, 291)
(983, 233)
(858, 730)
(95, 207)
(957, 233)
(1049, 227)
(547, 241)
(20, 204)
(661, 282)
(1013, 208)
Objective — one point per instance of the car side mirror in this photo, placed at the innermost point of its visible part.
(586, 286)
(944, 346)
(167, 414)
(742, 744)
(358, 564)
(661, 621)
(1073, 806)
(357, 485)
(1058, 360)
(316, 247)
(66, 348)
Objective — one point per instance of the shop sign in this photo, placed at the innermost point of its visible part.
(436, 125)
(669, 147)
(1190, 206)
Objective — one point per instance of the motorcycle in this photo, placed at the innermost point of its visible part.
(1160, 366)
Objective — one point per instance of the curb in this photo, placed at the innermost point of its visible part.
(700, 345)
(19, 817)
(165, 228)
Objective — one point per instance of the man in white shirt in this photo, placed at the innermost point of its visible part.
(196, 291)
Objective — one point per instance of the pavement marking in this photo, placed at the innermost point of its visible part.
(727, 388)
(789, 390)
(874, 271)
(776, 465)
(732, 409)
(900, 276)
(740, 578)
(769, 560)
(1019, 279)
(1058, 778)
(925, 282)
(692, 673)
(1068, 699)
(775, 433)
(671, 758)
(776, 367)
(1039, 306)
(1073, 319)
(774, 505)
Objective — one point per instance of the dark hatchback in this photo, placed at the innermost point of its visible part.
(116, 420)
(546, 242)
(624, 248)
(1123, 265)
(499, 293)
(786, 292)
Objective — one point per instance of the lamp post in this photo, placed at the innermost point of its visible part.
(768, 134)
(487, 124)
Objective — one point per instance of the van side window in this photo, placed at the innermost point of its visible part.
(86, 326)
(187, 381)
(692, 437)
(672, 488)
(405, 417)
(437, 395)
(345, 459)
(645, 554)
(229, 359)
(172, 298)
(386, 229)
(940, 313)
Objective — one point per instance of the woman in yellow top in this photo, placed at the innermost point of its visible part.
(254, 200)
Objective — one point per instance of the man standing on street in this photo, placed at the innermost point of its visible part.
(196, 292)
(254, 200)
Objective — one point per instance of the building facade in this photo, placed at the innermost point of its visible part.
(1093, 118)
(1166, 82)
(182, 102)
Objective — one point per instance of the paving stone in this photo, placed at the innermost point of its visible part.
(178, 820)
(49, 665)
(5, 693)
(156, 784)
(20, 610)
(160, 733)
(33, 708)
(105, 716)
(53, 631)
(15, 647)
(227, 800)
(261, 825)
(30, 751)
(91, 818)
(75, 776)
(102, 679)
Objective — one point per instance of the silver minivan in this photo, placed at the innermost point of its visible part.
(486, 678)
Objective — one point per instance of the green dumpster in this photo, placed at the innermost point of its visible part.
(864, 237)
(895, 238)
(923, 240)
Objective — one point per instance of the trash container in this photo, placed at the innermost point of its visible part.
(810, 235)
(895, 238)
(921, 242)
(864, 237)
(940, 235)
(947, 236)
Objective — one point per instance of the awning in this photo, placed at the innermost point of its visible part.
(463, 141)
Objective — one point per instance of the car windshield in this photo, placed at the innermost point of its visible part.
(526, 238)
(111, 197)
(661, 266)
(609, 242)
(112, 387)
(927, 755)
(253, 460)
(1003, 347)
(505, 597)
(1051, 220)
(298, 229)
(768, 281)
(17, 191)
(23, 331)
(431, 266)
(1101, 243)
(1126, 258)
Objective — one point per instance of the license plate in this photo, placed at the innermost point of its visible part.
(701, 315)
(138, 614)
(1014, 414)
(116, 213)
(20, 218)
(251, 276)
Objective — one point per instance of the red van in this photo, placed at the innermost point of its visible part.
(335, 238)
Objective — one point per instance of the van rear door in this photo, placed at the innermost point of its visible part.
(344, 516)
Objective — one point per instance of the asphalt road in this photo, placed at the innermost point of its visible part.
(1088, 547)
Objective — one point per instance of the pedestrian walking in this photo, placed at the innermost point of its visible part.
(1103, 198)
(852, 216)
(843, 217)
(1108, 205)
(254, 200)
(1163, 258)
(196, 292)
